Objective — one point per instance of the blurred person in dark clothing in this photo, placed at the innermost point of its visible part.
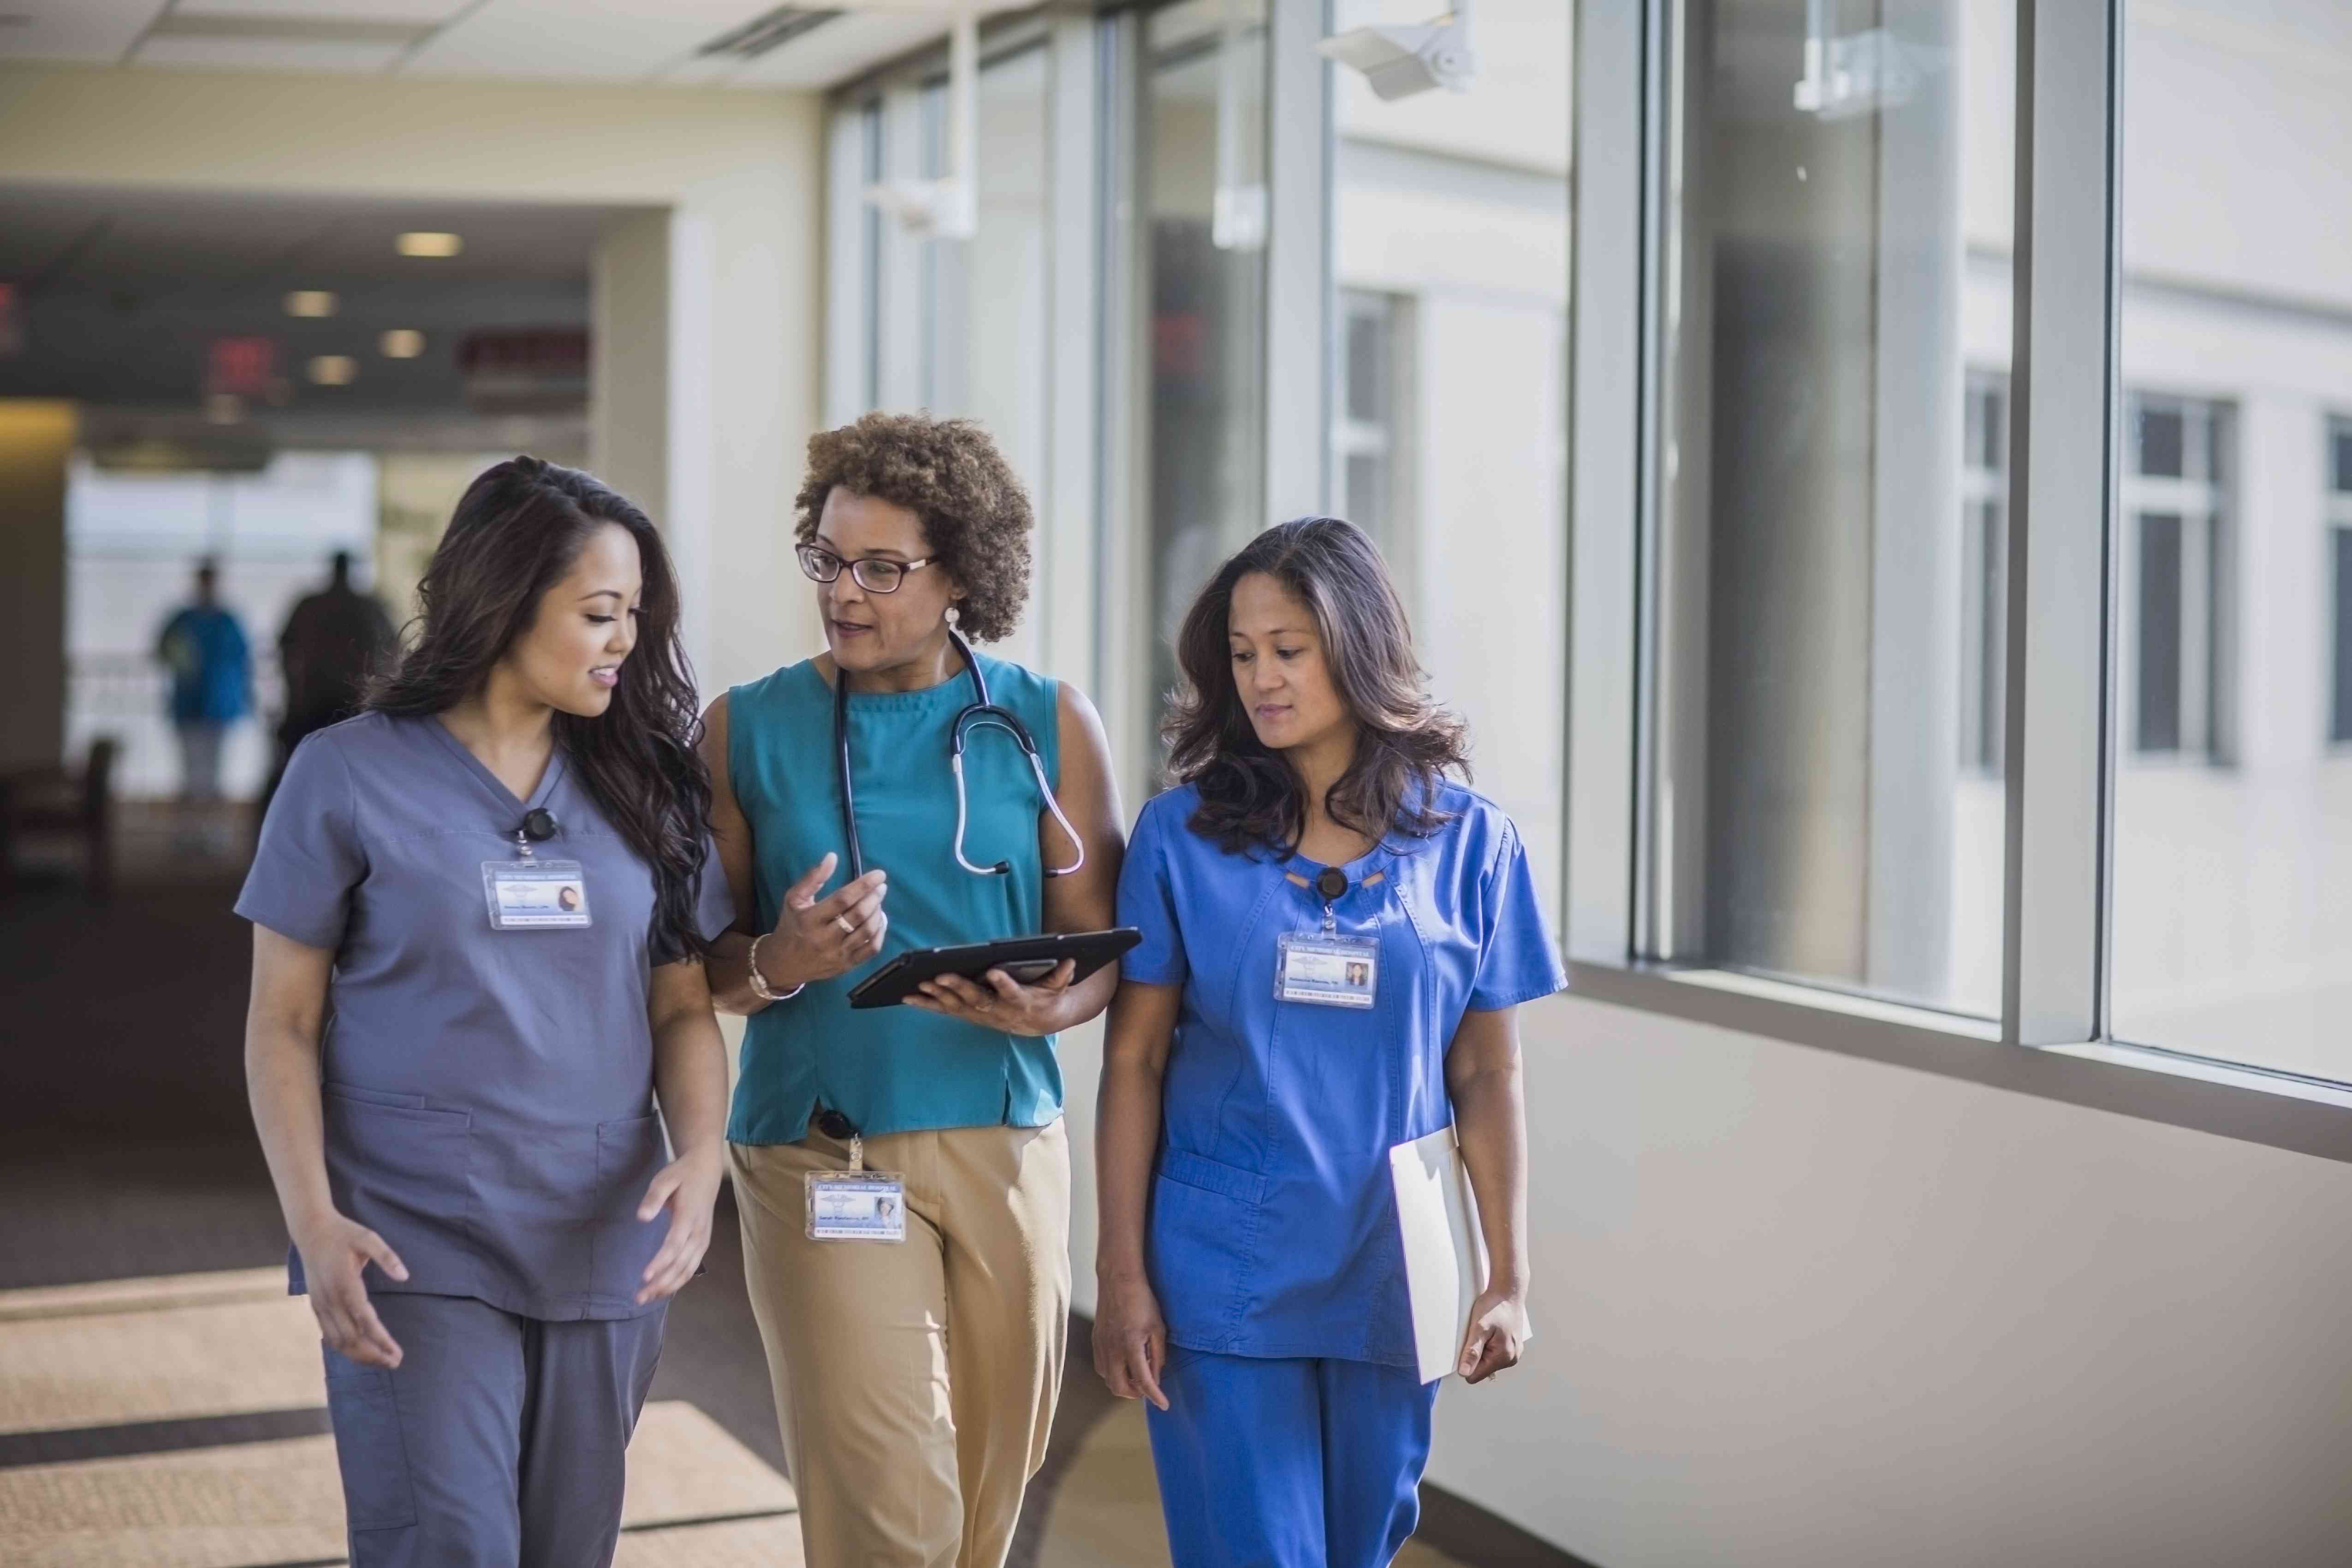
(334, 641)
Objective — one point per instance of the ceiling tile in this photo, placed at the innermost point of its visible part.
(614, 40)
(844, 48)
(73, 29)
(325, 10)
(265, 54)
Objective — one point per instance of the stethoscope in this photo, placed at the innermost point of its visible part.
(979, 715)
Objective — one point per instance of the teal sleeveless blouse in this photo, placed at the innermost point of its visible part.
(893, 1070)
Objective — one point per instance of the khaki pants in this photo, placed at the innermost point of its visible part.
(915, 1381)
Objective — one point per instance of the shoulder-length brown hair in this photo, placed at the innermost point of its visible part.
(1405, 743)
(516, 532)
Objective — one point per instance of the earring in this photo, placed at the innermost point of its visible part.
(954, 615)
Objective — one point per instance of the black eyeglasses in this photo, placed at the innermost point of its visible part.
(872, 574)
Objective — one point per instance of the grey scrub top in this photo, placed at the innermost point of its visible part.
(489, 1094)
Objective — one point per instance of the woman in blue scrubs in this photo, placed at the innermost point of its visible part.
(494, 882)
(1336, 938)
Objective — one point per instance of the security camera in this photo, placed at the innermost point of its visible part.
(1401, 61)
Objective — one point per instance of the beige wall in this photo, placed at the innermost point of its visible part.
(1800, 1311)
(36, 436)
(736, 175)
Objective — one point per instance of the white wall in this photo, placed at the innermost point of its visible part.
(1798, 1308)
(739, 173)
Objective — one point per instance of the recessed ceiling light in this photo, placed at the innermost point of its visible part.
(424, 242)
(334, 370)
(311, 302)
(402, 342)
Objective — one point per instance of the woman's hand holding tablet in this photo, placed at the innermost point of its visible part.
(1015, 986)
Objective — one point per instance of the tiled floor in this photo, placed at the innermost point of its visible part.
(160, 1398)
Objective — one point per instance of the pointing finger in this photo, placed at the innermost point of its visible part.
(803, 892)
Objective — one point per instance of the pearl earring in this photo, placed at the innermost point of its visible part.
(954, 615)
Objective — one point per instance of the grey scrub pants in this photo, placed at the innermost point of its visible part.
(499, 1442)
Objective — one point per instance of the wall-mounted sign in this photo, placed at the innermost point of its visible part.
(537, 370)
(240, 367)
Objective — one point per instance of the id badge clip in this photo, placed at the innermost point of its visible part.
(528, 893)
(1326, 969)
(856, 1205)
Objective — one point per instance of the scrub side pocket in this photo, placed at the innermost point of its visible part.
(402, 1171)
(371, 1450)
(1204, 1246)
(629, 1154)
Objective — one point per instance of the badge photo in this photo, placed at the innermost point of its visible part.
(535, 895)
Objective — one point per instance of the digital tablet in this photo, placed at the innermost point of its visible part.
(1027, 959)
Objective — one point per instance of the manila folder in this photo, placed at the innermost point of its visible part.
(1444, 1254)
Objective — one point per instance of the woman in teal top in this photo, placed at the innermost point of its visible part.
(917, 1360)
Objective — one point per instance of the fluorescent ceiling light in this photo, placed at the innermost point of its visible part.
(426, 242)
(334, 370)
(402, 342)
(311, 302)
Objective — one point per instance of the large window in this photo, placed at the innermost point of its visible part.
(1827, 650)
(1988, 593)
(2230, 930)
(1200, 197)
(1449, 252)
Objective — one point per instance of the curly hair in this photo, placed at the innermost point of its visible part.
(1405, 744)
(976, 517)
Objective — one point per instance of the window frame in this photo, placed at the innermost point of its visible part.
(2062, 726)
(2336, 517)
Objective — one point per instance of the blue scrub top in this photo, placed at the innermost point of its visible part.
(212, 668)
(488, 1094)
(1273, 1226)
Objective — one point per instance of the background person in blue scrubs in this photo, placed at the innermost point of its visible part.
(485, 1216)
(1251, 1268)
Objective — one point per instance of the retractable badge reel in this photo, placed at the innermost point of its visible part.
(1324, 968)
(528, 893)
(855, 1205)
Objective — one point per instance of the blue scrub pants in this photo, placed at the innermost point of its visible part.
(1269, 1463)
(499, 1442)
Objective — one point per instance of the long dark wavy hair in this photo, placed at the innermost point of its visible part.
(1405, 743)
(516, 532)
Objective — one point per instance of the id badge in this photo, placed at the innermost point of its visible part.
(857, 1205)
(1326, 969)
(535, 895)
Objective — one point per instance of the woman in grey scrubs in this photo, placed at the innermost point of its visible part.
(493, 880)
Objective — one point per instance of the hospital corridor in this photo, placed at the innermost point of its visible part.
(1175, 784)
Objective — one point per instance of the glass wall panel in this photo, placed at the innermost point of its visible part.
(960, 327)
(1449, 442)
(1829, 550)
(2231, 930)
(1200, 200)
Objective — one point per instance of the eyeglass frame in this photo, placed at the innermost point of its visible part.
(802, 553)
